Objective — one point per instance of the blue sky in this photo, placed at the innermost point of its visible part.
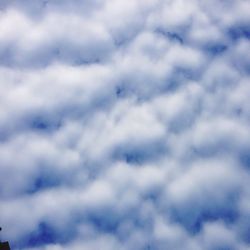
(125, 125)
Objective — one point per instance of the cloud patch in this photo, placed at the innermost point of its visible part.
(125, 125)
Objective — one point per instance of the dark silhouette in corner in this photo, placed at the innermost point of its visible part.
(4, 245)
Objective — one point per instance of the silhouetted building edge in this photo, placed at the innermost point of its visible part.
(4, 246)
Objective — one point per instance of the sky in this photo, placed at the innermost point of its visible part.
(125, 125)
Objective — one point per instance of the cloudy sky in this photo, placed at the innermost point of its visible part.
(125, 125)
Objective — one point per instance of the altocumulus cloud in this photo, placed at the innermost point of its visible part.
(125, 124)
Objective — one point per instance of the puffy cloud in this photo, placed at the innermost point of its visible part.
(124, 125)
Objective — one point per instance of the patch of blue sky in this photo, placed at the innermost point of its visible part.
(239, 31)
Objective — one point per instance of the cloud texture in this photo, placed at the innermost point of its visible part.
(125, 124)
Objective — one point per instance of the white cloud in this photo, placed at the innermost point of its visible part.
(124, 125)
